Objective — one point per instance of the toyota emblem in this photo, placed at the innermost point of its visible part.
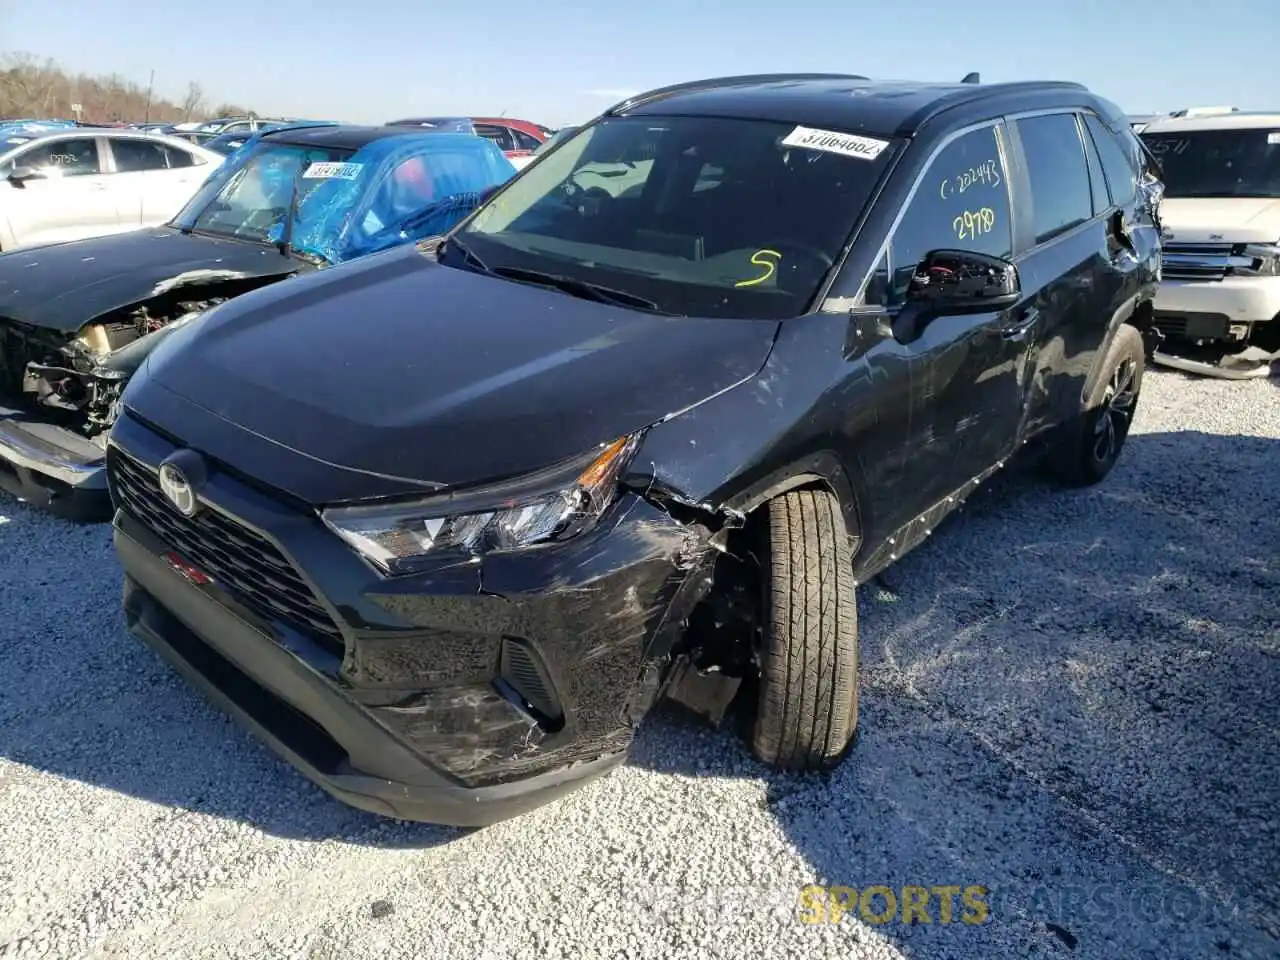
(175, 486)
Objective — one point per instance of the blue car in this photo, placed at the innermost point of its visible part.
(287, 202)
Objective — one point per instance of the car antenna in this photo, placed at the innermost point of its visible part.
(286, 237)
(971, 78)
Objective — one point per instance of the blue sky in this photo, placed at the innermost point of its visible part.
(373, 61)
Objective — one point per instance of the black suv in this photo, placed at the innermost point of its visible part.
(637, 427)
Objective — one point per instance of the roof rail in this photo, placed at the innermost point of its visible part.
(971, 78)
(303, 125)
(738, 81)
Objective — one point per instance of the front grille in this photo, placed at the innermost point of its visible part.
(243, 562)
(1193, 326)
(1201, 261)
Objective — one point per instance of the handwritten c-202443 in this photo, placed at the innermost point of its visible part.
(986, 174)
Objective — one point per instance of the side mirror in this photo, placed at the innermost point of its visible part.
(20, 175)
(962, 281)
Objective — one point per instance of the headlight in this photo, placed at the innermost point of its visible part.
(1265, 260)
(551, 505)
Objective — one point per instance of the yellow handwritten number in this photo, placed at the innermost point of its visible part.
(974, 223)
(761, 258)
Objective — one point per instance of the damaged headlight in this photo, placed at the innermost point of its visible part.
(551, 505)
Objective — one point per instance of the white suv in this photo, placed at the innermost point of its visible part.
(1219, 302)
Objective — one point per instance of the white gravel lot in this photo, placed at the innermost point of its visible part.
(1070, 698)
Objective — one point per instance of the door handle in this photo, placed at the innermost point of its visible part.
(1019, 330)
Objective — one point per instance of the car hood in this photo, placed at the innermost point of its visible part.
(394, 374)
(1220, 219)
(63, 286)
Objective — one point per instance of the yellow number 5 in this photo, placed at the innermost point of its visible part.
(761, 258)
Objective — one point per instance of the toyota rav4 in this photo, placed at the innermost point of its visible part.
(638, 427)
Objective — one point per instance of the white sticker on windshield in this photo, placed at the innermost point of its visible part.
(845, 144)
(325, 171)
(1273, 138)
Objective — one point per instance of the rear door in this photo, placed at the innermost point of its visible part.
(68, 199)
(152, 180)
(1071, 258)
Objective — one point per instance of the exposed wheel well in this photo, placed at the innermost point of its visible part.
(724, 627)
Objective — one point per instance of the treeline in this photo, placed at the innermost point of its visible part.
(41, 88)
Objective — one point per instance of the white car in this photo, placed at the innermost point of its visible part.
(84, 182)
(1220, 292)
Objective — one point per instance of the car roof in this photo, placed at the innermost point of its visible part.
(340, 136)
(1242, 120)
(842, 101)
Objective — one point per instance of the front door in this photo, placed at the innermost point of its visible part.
(68, 199)
(968, 372)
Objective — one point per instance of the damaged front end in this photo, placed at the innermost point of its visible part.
(84, 378)
(62, 391)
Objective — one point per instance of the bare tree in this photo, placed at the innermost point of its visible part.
(32, 87)
(192, 101)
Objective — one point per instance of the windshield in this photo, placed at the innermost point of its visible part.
(698, 216)
(349, 202)
(1218, 163)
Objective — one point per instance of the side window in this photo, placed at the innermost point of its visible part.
(961, 203)
(1120, 165)
(1097, 182)
(63, 158)
(523, 140)
(178, 157)
(1060, 194)
(137, 156)
(499, 135)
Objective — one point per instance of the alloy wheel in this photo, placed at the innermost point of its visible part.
(1115, 413)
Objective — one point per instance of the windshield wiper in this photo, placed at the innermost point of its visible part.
(577, 288)
(286, 238)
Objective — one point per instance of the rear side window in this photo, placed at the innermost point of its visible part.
(1117, 162)
(1060, 194)
(961, 203)
(179, 157)
(499, 135)
(524, 141)
(136, 156)
(1097, 180)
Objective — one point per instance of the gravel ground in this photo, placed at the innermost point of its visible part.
(1069, 698)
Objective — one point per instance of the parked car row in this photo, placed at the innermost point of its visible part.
(77, 318)
(443, 520)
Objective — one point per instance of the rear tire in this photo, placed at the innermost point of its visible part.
(1089, 445)
(807, 708)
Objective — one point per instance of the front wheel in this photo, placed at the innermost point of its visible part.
(807, 707)
(1089, 445)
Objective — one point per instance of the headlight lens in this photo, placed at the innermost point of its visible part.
(551, 505)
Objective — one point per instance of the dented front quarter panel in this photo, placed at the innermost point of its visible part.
(602, 610)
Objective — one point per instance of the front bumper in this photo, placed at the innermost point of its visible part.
(52, 468)
(418, 705)
(1208, 309)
